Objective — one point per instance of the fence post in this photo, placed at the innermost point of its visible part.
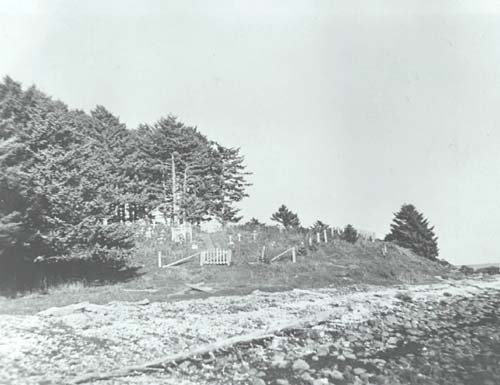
(239, 237)
(310, 241)
(263, 253)
(159, 259)
(318, 238)
(324, 234)
(229, 253)
(294, 259)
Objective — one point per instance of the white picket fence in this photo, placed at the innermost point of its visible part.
(215, 257)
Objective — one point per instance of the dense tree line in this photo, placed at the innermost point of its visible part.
(62, 172)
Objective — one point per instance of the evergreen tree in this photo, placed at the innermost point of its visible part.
(287, 218)
(54, 182)
(319, 227)
(254, 223)
(349, 234)
(411, 230)
(209, 178)
(228, 184)
(62, 171)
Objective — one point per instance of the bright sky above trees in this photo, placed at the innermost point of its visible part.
(345, 110)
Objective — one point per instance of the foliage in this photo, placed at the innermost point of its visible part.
(57, 180)
(253, 224)
(411, 230)
(287, 218)
(349, 234)
(62, 171)
(319, 227)
(208, 180)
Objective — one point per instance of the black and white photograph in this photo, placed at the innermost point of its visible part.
(265, 192)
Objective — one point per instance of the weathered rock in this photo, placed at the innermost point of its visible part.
(258, 381)
(279, 361)
(335, 375)
(300, 365)
(184, 366)
(322, 351)
(359, 371)
(307, 378)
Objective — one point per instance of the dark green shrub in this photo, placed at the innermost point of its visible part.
(349, 234)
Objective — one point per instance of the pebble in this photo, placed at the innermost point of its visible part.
(300, 365)
(258, 381)
(307, 378)
(359, 371)
(335, 375)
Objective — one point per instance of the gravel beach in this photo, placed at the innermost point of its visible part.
(444, 333)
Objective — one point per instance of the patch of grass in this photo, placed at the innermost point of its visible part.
(336, 263)
(68, 287)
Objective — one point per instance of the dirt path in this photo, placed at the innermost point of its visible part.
(59, 344)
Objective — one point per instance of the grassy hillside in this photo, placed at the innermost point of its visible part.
(336, 263)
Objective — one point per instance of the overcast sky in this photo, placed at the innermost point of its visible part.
(344, 110)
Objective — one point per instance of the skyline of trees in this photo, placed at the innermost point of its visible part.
(62, 171)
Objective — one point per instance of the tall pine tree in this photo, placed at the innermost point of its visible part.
(411, 230)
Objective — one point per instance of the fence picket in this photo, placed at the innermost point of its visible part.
(215, 256)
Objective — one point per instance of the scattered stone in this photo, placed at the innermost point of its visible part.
(359, 371)
(185, 366)
(258, 381)
(322, 351)
(307, 378)
(335, 375)
(300, 365)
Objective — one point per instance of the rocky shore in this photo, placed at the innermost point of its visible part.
(446, 333)
(453, 340)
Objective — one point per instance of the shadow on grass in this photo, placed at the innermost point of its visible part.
(24, 277)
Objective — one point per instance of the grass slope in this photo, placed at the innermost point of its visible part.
(336, 263)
